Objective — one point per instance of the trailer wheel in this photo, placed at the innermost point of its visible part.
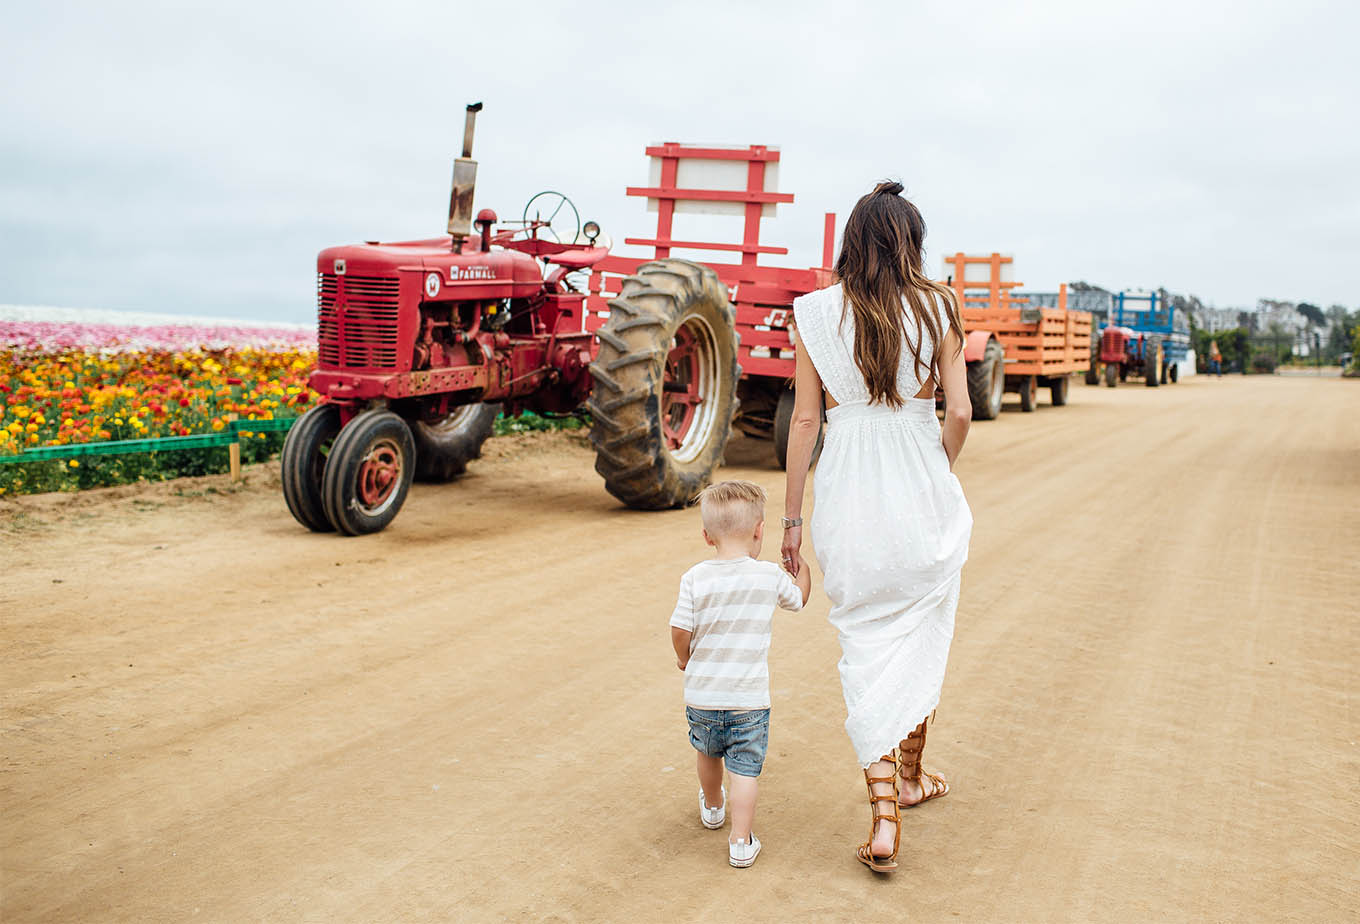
(1152, 361)
(369, 472)
(1029, 392)
(1057, 389)
(665, 389)
(783, 424)
(1111, 374)
(303, 465)
(1092, 374)
(1175, 372)
(987, 382)
(1093, 370)
(444, 448)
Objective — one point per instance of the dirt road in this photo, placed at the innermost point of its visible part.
(1151, 710)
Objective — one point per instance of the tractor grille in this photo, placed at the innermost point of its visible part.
(356, 321)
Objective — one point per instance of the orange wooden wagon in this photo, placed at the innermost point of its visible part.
(1012, 345)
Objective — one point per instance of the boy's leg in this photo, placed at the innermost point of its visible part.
(742, 806)
(710, 778)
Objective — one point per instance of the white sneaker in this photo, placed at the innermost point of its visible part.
(712, 818)
(742, 854)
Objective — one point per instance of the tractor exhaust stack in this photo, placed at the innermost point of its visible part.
(464, 183)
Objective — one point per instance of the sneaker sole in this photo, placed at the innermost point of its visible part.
(713, 827)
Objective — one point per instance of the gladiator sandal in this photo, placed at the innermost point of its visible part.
(865, 852)
(909, 769)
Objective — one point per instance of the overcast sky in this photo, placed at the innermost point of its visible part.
(194, 157)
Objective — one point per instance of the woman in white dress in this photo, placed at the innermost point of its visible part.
(891, 525)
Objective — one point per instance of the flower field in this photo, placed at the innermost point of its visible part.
(84, 378)
(67, 383)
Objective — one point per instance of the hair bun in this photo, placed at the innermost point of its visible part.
(889, 188)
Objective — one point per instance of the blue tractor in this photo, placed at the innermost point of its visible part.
(1143, 335)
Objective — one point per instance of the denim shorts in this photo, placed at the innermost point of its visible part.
(739, 737)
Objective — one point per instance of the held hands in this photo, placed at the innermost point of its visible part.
(681, 664)
(789, 555)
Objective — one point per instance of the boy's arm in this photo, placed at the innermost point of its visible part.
(683, 623)
(680, 642)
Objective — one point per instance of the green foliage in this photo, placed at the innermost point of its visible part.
(1265, 361)
(529, 422)
(1312, 312)
(107, 471)
(1234, 344)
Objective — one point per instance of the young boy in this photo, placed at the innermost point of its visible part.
(721, 633)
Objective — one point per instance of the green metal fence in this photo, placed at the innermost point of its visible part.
(230, 435)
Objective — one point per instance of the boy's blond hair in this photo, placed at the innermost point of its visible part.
(731, 507)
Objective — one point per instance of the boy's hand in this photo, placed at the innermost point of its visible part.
(680, 664)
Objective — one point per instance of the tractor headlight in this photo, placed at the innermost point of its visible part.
(592, 231)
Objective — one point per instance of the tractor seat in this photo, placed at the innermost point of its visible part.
(579, 258)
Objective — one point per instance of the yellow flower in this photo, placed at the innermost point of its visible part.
(118, 421)
(218, 425)
(73, 463)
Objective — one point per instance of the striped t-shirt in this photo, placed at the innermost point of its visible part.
(728, 604)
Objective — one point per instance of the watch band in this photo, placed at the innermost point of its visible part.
(791, 521)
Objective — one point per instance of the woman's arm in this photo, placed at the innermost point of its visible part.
(958, 409)
(806, 424)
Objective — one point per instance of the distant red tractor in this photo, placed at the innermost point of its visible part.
(1122, 352)
(421, 344)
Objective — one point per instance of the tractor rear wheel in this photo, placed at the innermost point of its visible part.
(783, 424)
(444, 448)
(665, 389)
(369, 472)
(987, 382)
(1152, 361)
(1111, 374)
(303, 465)
(1057, 389)
(1029, 393)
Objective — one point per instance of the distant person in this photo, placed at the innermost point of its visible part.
(891, 526)
(721, 634)
(1215, 359)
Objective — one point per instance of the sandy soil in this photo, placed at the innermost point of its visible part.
(211, 714)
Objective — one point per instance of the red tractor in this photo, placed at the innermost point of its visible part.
(1121, 352)
(421, 344)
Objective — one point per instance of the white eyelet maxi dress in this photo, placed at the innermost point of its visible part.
(890, 528)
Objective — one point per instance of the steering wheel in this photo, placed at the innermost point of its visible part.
(552, 203)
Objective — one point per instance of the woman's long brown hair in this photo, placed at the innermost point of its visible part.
(880, 266)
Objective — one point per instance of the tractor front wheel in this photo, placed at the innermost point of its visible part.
(303, 465)
(1057, 389)
(987, 382)
(1111, 374)
(1029, 393)
(369, 472)
(665, 388)
(444, 448)
(783, 424)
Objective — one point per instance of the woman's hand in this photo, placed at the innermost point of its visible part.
(789, 551)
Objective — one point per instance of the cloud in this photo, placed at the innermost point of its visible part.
(194, 158)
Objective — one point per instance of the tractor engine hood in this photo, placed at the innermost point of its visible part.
(446, 276)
